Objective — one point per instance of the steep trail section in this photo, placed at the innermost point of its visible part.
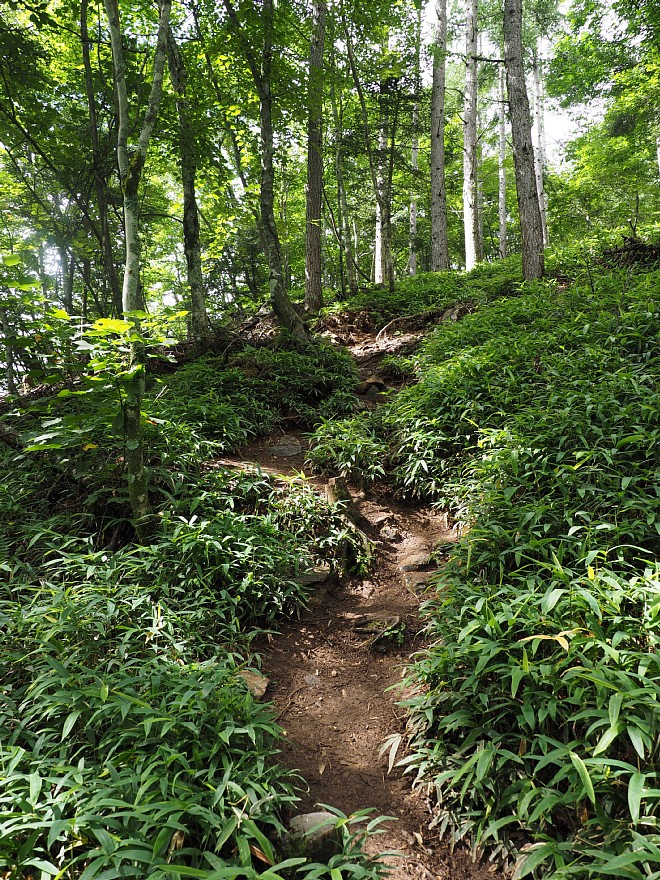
(335, 674)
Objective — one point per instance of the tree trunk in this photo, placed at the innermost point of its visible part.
(470, 159)
(531, 228)
(199, 323)
(100, 179)
(344, 224)
(130, 173)
(10, 378)
(313, 285)
(539, 153)
(439, 239)
(379, 246)
(414, 152)
(261, 75)
(375, 166)
(501, 167)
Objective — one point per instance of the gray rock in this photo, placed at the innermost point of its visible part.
(414, 562)
(287, 447)
(316, 576)
(312, 680)
(391, 534)
(316, 834)
(416, 581)
(255, 682)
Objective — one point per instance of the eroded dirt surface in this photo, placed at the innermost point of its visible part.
(335, 679)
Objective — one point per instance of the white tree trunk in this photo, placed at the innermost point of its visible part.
(501, 167)
(470, 170)
(439, 240)
(379, 239)
(130, 172)
(414, 155)
(531, 228)
(313, 195)
(539, 153)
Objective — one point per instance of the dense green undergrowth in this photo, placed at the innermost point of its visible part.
(535, 422)
(130, 745)
(433, 290)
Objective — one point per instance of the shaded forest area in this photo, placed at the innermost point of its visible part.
(358, 236)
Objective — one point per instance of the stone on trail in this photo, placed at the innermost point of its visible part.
(414, 562)
(417, 581)
(316, 576)
(255, 682)
(372, 382)
(316, 834)
(286, 447)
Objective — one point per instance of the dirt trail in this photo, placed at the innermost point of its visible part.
(335, 680)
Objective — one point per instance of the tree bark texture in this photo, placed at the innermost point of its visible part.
(376, 165)
(501, 166)
(414, 152)
(439, 239)
(531, 228)
(199, 324)
(470, 156)
(131, 163)
(100, 177)
(10, 378)
(261, 75)
(314, 193)
(539, 153)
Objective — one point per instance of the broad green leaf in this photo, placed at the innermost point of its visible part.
(635, 790)
(587, 784)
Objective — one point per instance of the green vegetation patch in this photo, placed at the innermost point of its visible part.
(538, 715)
(535, 422)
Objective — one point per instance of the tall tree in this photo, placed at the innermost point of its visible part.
(501, 160)
(199, 325)
(439, 238)
(414, 148)
(539, 152)
(345, 237)
(260, 67)
(531, 227)
(313, 286)
(470, 134)
(130, 161)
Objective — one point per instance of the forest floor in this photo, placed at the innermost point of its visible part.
(335, 674)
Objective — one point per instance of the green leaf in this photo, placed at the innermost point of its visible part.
(616, 700)
(636, 740)
(635, 790)
(70, 721)
(587, 784)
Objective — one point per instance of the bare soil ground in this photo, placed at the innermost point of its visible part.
(336, 682)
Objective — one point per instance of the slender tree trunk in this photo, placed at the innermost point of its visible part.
(67, 268)
(379, 247)
(131, 165)
(382, 200)
(531, 228)
(261, 75)
(313, 286)
(470, 159)
(388, 232)
(501, 167)
(439, 239)
(100, 178)
(414, 152)
(344, 223)
(199, 324)
(539, 153)
(10, 377)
